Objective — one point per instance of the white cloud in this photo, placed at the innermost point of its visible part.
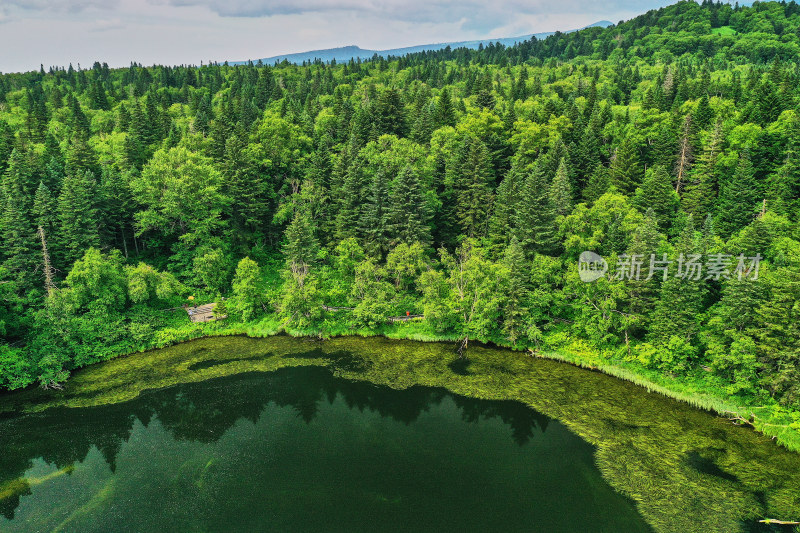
(57, 32)
(472, 14)
(107, 24)
(61, 6)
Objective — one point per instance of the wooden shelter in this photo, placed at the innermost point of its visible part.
(203, 313)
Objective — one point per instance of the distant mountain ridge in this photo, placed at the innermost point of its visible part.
(345, 53)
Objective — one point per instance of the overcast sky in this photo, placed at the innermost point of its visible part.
(57, 32)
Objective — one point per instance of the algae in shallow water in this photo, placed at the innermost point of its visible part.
(686, 469)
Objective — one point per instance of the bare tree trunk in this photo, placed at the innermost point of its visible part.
(49, 286)
(124, 242)
(684, 154)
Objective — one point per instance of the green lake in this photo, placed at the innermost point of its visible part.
(351, 434)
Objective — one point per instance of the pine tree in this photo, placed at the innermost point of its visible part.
(664, 146)
(472, 186)
(703, 115)
(116, 208)
(625, 172)
(646, 241)
(77, 215)
(81, 157)
(222, 128)
(361, 126)
(301, 246)
(561, 191)
(535, 224)
(407, 216)
(681, 298)
(587, 156)
(80, 124)
(19, 180)
(246, 289)
(37, 116)
(656, 193)
(390, 113)
(509, 118)
(597, 185)
(44, 208)
(374, 225)
(19, 243)
(768, 103)
(202, 118)
(123, 118)
(351, 204)
(54, 163)
(135, 152)
(485, 99)
(503, 221)
(783, 185)
(153, 127)
(97, 96)
(515, 305)
(445, 112)
(423, 126)
(701, 189)
(738, 199)
(6, 144)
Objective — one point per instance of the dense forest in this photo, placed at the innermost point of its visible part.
(461, 185)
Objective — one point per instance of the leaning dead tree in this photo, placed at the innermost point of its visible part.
(685, 155)
(49, 286)
(462, 346)
(739, 420)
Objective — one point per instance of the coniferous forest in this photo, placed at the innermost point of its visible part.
(461, 185)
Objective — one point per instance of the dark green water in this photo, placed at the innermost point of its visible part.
(301, 450)
(352, 434)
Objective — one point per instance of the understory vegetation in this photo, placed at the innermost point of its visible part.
(461, 185)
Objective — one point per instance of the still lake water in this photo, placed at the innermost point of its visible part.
(354, 435)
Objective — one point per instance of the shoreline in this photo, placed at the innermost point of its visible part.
(688, 391)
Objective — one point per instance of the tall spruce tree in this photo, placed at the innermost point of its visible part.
(407, 215)
(656, 193)
(445, 112)
(738, 199)
(375, 224)
(352, 202)
(472, 185)
(702, 186)
(561, 191)
(503, 221)
(77, 213)
(535, 221)
(301, 246)
(682, 296)
(515, 305)
(19, 244)
(625, 172)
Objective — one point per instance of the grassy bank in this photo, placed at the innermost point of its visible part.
(697, 390)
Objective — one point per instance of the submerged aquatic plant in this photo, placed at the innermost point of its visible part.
(686, 469)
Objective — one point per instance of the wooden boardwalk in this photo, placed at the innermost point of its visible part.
(203, 313)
